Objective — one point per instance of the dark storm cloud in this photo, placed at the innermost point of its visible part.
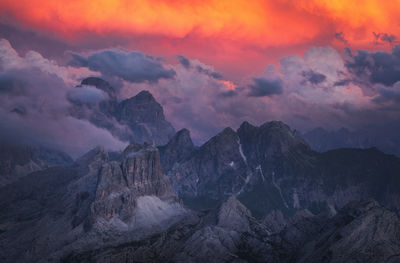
(263, 87)
(313, 77)
(28, 83)
(340, 36)
(379, 67)
(384, 37)
(342, 82)
(388, 38)
(208, 72)
(388, 94)
(134, 67)
(228, 94)
(46, 45)
(184, 61)
(34, 106)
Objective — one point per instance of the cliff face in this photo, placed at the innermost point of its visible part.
(138, 173)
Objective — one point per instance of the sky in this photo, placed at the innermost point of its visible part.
(211, 64)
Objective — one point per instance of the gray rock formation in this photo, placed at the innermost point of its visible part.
(138, 119)
(360, 231)
(121, 183)
(226, 234)
(94, 203)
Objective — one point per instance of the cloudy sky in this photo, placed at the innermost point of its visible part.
(211, 64)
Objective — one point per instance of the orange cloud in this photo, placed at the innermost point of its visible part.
(260, 23)
(237, 34)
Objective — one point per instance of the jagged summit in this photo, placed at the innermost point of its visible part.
(177, 149)
(100, 84)
(246, 127)
(138, 118)
(97, 154)
(145, 117)
(144, 96)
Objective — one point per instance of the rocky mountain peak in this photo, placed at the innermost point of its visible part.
(358, 231)
(95, 157)
(100, 84)
(226, 136)
(275, 125)
(138, 118)
(144, 96)
(145, 117)
(177, 149)
(133, 149)
(246, 127)
(122, 183)
(181, 139)
(228, 131)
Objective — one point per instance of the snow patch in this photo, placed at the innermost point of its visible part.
(241, 151)
(296, 202)
(261, 172)
(279, 189)
(232, 164)
(246, 181)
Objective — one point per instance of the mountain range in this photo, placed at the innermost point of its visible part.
(255, 194)
(386, 140)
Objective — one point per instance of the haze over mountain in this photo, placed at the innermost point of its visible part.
(139, 118)
(386, 140)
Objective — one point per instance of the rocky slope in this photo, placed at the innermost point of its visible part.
(226, 234)
(17, 161)
(360, 232)
(271, 167)
(93, 203)
(138, 118)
